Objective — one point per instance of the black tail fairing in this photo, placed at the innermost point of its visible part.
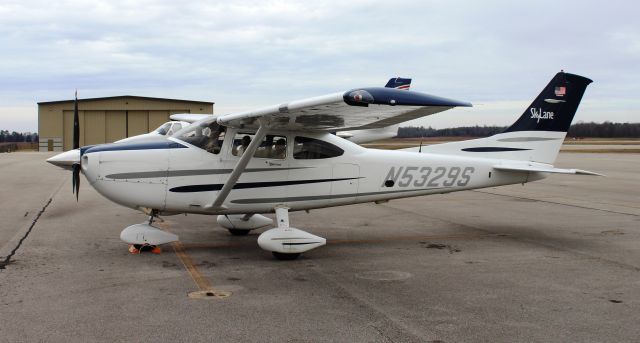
(554, 108)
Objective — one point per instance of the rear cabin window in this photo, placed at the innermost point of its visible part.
(272, 146)
(305, 148)
(208, 136)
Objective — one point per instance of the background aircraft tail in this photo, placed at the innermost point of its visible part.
(399, 83)
(537, 135)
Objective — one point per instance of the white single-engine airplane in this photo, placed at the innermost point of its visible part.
(284, 158)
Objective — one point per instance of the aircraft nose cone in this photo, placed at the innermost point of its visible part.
(66, 159)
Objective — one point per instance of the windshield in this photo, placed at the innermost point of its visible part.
(163, 128)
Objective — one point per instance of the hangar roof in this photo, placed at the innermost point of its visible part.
(122, 97)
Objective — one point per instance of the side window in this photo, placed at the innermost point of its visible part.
(274, 147)
(207, 135)
(305, 148)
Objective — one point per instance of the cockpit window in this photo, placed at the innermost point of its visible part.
(176, 127)
(164, 128)
(207, 135)
(306, 148)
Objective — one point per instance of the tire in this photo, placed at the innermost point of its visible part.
(239, 232)
(285, 257)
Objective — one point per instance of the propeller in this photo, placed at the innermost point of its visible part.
(75, 182)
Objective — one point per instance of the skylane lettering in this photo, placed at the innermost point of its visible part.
(538, 113)
(428, 176)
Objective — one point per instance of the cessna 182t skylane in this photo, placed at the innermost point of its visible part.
(284, 158)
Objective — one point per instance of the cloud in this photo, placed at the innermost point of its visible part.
(243, 54)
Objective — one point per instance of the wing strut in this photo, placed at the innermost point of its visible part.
(242, 164)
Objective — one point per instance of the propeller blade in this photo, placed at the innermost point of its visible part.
(75, 182)
(76, 123)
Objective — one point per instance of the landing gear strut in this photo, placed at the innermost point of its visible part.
(285, 242)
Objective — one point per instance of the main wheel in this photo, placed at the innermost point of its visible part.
(239, 232)
(285, 257)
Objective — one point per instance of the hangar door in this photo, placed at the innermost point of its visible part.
(98, 127)
(116, 125)
(137, 123)
(94, 127)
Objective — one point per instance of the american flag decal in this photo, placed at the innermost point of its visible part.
(561, 91)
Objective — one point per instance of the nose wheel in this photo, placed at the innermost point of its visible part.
(285, 257)
(140, 248)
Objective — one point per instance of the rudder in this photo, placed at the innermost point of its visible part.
(555, 107)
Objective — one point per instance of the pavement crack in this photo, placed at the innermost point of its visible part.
(383, 323)
(7, 259)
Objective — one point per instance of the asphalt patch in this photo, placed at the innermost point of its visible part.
(440, 246)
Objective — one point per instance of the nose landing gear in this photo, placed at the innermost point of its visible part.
(145, 237)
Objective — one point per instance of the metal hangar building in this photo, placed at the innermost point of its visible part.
(107, 119)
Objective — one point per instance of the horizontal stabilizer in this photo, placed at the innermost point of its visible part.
(542, 168)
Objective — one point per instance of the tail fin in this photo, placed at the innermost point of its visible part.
(399, 83)
(537, 135)
(554, 108)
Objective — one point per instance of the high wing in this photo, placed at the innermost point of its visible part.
(189, 117)
(363, 108)
(394, 82)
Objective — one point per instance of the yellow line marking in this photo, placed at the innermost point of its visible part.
(206, 290)
(197, 277)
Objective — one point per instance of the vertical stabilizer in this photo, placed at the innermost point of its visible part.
(539, 132)
(554, 108)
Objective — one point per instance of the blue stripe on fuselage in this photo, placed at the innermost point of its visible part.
(133, 146)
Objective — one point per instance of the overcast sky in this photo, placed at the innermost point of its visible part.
(244, 54)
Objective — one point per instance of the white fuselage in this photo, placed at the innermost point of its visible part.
(185, 178)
